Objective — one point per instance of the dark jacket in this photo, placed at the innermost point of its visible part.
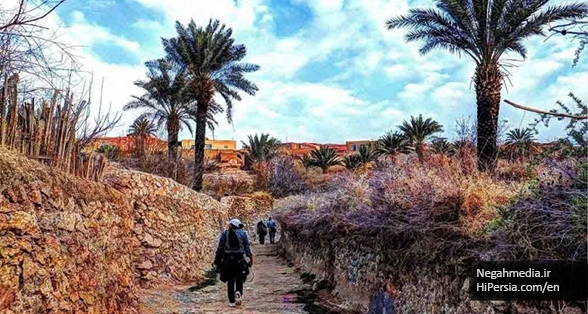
(260, 229)
(238, 267)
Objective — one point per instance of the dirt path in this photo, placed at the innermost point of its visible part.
(271, 288)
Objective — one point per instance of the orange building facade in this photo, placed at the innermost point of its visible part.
(126, 144)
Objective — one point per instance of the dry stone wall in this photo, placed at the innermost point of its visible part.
(68, 245)
(64, 242)
(354, 267)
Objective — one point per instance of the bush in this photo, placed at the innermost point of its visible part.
(285, 178)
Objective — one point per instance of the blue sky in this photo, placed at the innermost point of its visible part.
(330, 72)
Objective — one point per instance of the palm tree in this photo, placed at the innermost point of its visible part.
(442, 147)
(393, 144)
(352, 162)
(367, 154)
(140, 130)
(484, 31)
(418, 131)
(164, 102)
(520, 142)
(261, 148)
(323, 157)
(211, 62)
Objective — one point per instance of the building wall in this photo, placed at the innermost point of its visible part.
(353, 146)
(126, 143)
(212, 144)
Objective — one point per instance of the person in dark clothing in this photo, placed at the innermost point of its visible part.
(261, 231)
(230, 260)
(272, 230)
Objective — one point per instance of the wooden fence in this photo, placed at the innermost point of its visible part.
(46, 131)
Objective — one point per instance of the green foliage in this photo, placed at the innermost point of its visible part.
(442, 147)
(576, 143)
(578, 216)
(393, 144)
(456, 25)
(520, 142)
(142, 127)
(583, 173)
(323, 157)
(352, 162)
(419, 130)
(210, 73)
(165, 100)
(261, 148)
(111, 152)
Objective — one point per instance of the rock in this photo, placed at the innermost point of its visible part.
(145, 265)
(150, 241)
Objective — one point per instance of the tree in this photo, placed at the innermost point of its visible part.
(165, 102)
(484, 31)
(352, 162)
(418, 131)
(261, 148)
(140, 130)
(211, 61)
(393, 144)
(323, 157)
(520, 142)
(442, 147)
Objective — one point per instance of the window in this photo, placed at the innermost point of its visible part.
(226, 146)
(208, 146)
(353, 147)
(193, 147)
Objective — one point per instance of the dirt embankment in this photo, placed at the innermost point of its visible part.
(72, 246)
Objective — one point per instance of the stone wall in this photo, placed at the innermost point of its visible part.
(174, 226)
(64, 242)
(72, 246)
(355, 269)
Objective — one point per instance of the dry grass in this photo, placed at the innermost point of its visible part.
(432, 209)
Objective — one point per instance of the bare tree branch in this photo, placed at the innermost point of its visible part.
(556, 114)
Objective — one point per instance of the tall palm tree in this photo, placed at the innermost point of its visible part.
(418, 131)
(261, 148)
(140, 130)
(323, 157)
(484, 30)
(164, 102)
(211, 62)
(520, 142)
(392, 144)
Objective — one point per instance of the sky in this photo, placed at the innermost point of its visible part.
(329, 70)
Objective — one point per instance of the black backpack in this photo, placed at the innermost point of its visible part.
(233, 255)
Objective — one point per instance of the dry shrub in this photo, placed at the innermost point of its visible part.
(218, 186)
(286, 178)
(423, 204)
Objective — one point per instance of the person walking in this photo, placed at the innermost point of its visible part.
(261, 231)
(272, 230)
(230, 261)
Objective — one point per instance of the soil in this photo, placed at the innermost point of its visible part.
(272, 287)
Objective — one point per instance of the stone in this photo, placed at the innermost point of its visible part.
(150, 241)
(145, 265)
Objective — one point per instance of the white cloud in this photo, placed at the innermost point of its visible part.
(436, 85)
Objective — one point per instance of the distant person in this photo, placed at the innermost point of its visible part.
(261, 231)
(230, 260)
(272, 230)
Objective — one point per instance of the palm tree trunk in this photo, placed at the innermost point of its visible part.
(488, 82)
(420, 152)
(173, 128)
(199, 145)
